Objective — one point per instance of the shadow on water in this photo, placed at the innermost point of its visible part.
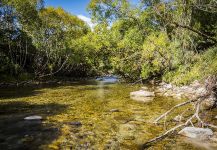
(17, 133)
(34, 90)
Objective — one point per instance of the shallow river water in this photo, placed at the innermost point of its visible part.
(84, 115)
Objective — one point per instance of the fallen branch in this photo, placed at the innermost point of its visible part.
(163, 135)
(173, 108)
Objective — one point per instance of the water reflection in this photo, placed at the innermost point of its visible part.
(102, 81)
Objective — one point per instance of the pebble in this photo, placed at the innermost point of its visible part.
(114, 110)
(33, 118)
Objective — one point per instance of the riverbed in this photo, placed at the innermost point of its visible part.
(84, 115)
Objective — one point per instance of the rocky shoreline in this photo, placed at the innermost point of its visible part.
(192, 91)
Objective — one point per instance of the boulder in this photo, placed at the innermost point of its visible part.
(33, 118)
(143, 96)
(196, 133)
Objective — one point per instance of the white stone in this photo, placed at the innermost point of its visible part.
(196, 133)
(142, 96)
(33, 118)
(142, 93)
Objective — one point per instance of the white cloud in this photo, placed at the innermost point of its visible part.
(87, 20)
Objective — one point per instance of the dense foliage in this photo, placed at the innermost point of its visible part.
(170, 39)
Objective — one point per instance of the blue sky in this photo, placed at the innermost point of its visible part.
(76, 7)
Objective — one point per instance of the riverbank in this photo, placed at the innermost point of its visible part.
(194, 90)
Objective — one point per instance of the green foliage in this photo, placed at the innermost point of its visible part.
(173, 40)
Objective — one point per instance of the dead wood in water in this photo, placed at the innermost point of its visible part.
(189, 121)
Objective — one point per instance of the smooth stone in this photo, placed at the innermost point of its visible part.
(196, 133)
(142, 93)
(114, 110)
(215, 117)
(76, 123)
(33, 118)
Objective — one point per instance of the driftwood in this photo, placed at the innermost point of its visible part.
(173, 108)
(163, 135)
(189, 120)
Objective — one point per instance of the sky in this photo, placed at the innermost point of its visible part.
(75, 7)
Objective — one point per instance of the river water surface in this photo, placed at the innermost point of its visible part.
(83, 115)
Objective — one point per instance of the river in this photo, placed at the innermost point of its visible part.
(84, 115)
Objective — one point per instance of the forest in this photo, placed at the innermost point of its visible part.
(169, 46)
(173, 40)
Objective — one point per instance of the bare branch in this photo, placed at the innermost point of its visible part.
(173, 108)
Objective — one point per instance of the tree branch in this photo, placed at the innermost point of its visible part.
(196, 31)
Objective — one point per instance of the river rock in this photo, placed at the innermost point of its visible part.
(196, 133)
(33, 118)
(208, 103)
(114, 110)
(143, 96)
(75, 123)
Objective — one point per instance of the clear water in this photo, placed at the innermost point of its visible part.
(81, 115)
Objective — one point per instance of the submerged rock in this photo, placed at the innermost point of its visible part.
(114, 110)
(196, 133)
(76, 123)
(143, 96)
(33, 118)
